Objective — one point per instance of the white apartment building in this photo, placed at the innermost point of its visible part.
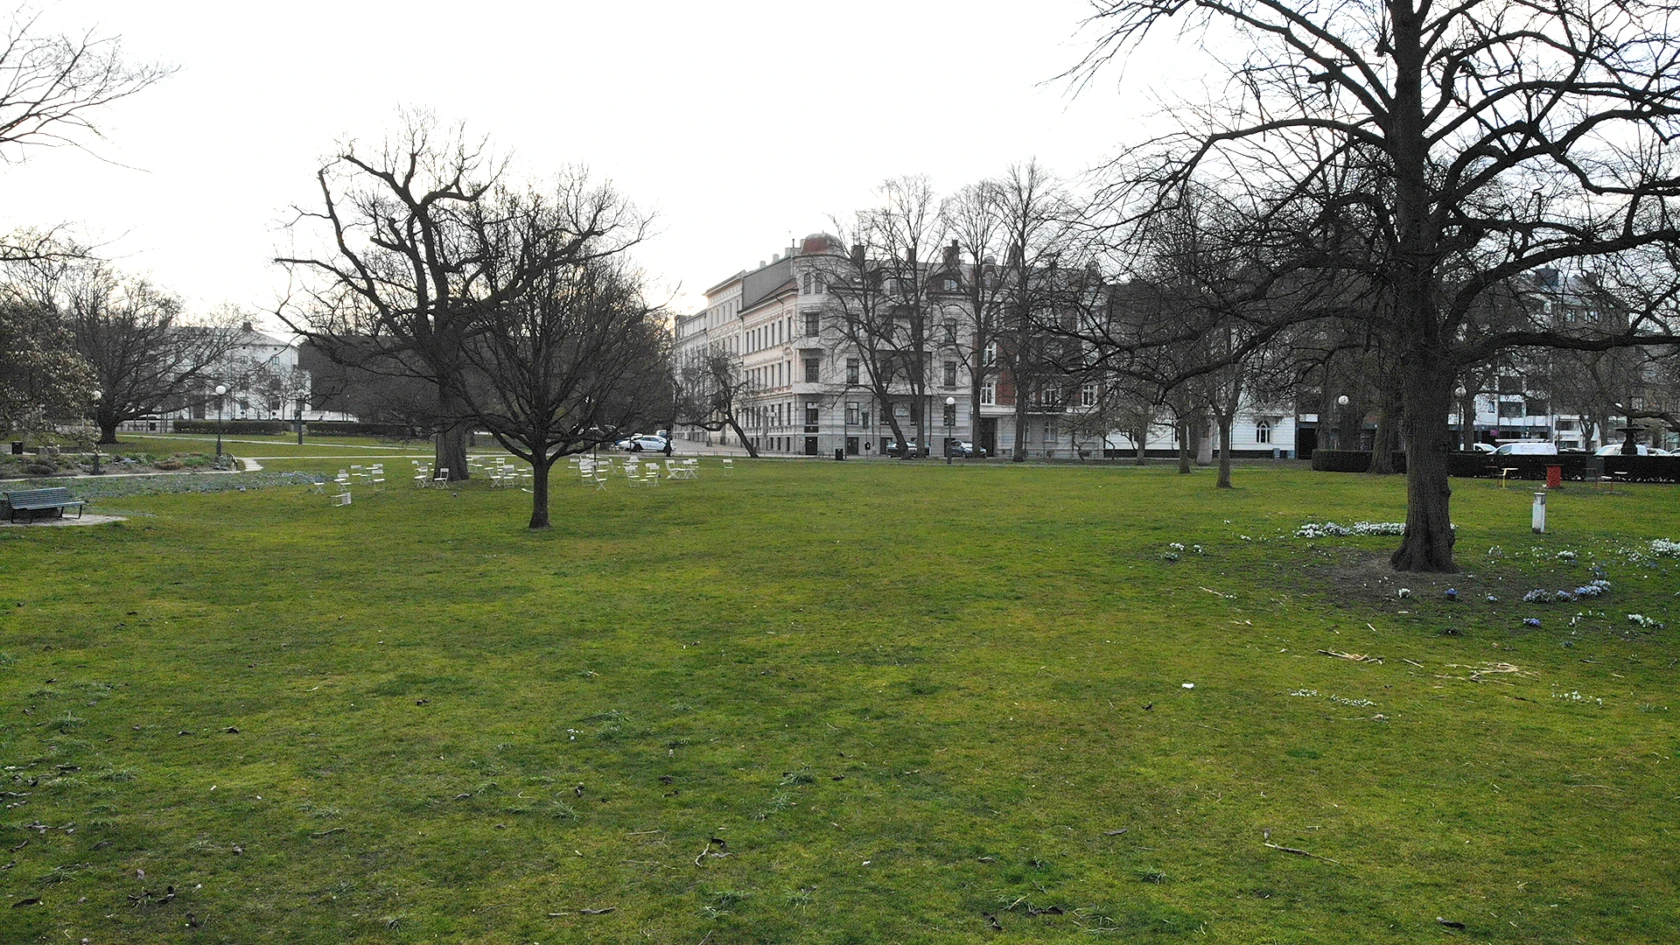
(811, 395)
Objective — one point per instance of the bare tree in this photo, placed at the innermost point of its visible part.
(1493, 138)
(565, 352)
(145, 356)
(51, 86)
(1036, 218)
(974, 219)
(398, 284)
(891, 288)
(713, 392)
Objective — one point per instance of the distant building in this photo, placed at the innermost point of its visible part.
(811, 393)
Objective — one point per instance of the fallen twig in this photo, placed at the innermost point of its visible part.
(598, 911)
(1486, 669)
(1413, 662)
(1356, 657)
(707, 850)
(1296, 852)
(1115, 833)
(326, 833)
(1216, 593)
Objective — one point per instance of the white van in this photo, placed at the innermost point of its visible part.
(1527, 448)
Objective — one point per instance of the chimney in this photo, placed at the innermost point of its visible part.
(857, 255)
(952, 252)
(249, 328)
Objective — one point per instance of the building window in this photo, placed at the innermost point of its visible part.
(813, 367)
(1263, 432)
(1088, 395)
(991, 354)
(950, 331)
(851, 370)
(988, 393)
(1510, 409)
(805, 285)
(950, 373)
(811, 324)
(853, 414)
(811, 414)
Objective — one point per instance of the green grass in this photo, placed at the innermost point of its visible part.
(903, 696)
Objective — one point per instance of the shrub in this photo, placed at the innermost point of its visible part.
(1350, 460)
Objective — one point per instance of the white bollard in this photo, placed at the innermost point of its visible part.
(1539, 513)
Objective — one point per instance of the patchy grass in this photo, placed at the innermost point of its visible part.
(825, 702)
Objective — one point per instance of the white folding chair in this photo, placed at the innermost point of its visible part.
(728, 466)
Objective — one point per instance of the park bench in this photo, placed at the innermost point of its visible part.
(41, 500)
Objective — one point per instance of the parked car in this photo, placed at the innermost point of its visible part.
(1527, 448)
(1615, 449)
(1482, 447)
(895, 448)
(642, 442)
(968, 450)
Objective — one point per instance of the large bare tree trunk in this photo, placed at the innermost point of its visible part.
(107, 432)
(1382, 444)
(1142, 447)
(1225, 421)
(741, 435)
(1428, 545)
(1019, 454)
(539, 494)
(451, 451)
(1184, 447)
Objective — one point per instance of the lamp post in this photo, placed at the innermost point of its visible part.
(300, 419)
(1466, 418)
(96, 396)
(1341, 411)
(950, 418)
(221, 389)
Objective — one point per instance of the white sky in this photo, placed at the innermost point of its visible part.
(739, 123)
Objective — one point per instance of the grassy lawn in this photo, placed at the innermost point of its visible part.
(826, 702)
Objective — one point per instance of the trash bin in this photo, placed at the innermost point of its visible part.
(840, 454)
(1554, 477)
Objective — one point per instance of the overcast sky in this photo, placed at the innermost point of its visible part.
(739, 124)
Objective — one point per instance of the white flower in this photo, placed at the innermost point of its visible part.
(1404, 592)
(1189, 685)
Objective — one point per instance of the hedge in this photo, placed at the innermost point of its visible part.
(1356, 461)
(1477, 465)
(317, 428)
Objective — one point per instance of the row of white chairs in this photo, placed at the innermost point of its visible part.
(597, 471)
(425, 476)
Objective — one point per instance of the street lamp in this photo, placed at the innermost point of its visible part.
(1466, 418)
(96, 470)
(300, 419)
(950, 418)
(1341, 410)
(220, 400)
